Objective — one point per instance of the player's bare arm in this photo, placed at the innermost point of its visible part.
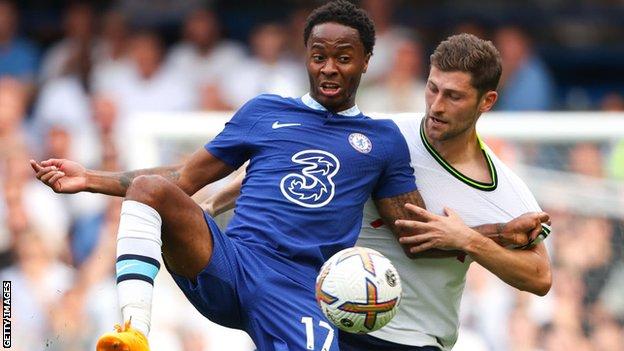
(519, 232)
(393, 208)
(527, 270)
(225, 199)
(65, 176)
(514, 233)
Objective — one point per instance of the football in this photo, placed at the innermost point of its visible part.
(358, 290)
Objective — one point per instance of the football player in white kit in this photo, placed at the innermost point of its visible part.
(458, 176)
(463, 185)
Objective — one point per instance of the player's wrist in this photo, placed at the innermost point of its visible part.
(92, 181)
(473, 241)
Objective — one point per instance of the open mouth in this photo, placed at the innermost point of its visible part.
(329, 89)
(436, 121)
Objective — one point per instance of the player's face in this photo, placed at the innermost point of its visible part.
(453, 104)
(335, 60)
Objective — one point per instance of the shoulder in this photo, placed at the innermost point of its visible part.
(181, 48)
(504, 170)
(408, 126)
(517, 186)
(230, 48)
(388, 135)
(390, 131)
(265, 104)
(180, 53)
(384, 125)
(270, 102)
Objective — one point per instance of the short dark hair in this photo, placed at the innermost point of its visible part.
(468, 53)
(345, 13)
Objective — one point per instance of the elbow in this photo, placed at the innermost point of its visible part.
(542, 284)
(542, 289)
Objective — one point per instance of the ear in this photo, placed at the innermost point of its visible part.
(488, 100)
(366, 59)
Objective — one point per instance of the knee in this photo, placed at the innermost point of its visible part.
(149, 189)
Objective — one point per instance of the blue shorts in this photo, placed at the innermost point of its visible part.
(238, 289)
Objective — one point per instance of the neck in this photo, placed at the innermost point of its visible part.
(459, 148)
(204, 48)
(148, 72)
(334, 109)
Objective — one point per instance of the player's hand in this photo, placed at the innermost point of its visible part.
(63, 176)
(524, 229)
(431, 231)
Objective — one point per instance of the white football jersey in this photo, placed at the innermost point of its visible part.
(432, 288)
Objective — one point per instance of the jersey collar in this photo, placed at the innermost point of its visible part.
(457, 174)
(313, 104)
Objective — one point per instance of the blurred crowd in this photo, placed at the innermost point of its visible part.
(75, 97)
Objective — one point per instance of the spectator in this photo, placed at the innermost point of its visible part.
(565, 332)
(78, 35)
(105, 117)
(13, 103)
(112, 44)
(523, 331)
(110, 54)
(64, 102)
(402, 88)
(158, 13)
(526, 83)
(269, 70)
(612, 102)
(296, 25)
(607, 336)
(205, 58)
(611, 297)
(150, 85)
(41, 280)
(586, 159)
(12, 154)
(18, 56)
(486, 304)
(147, 85)
(387, 37)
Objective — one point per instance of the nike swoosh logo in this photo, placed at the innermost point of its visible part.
(277, 125)
(126, 267)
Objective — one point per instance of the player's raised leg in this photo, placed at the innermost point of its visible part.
(155, 215)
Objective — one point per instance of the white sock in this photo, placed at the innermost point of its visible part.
(138, 251)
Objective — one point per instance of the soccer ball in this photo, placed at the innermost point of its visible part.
(358, 290)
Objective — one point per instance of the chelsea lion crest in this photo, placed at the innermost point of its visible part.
(360, 142)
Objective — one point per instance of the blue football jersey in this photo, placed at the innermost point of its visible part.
(310, 173)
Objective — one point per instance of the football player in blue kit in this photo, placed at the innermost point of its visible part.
(313, 163)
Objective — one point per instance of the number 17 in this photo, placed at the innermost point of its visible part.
(309, 325)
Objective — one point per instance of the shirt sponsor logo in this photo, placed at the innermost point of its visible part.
(313, 186)
(360, 142)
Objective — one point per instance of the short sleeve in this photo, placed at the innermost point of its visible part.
(233, 145)
(527, 202)
(398, 175)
